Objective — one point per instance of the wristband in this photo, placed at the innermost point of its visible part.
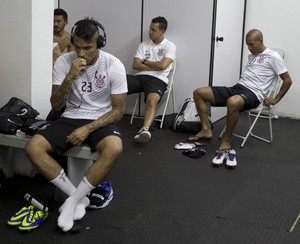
(143, 61)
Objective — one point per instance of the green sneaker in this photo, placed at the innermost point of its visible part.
(18, 217)
(33, 219)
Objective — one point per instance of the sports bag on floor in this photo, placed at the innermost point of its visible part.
(187, 119)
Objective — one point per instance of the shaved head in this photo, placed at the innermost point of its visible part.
(255, 34)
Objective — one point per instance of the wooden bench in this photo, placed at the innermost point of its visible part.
(80, 158)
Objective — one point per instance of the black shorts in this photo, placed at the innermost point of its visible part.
(222, 93)
(58, 130)
(147, 84)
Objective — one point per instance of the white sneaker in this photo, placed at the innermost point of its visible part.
(219, 158)
(182, 145)
(143, 136)
(231, 159)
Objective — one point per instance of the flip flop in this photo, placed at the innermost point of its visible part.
(198, 138)
(194, 153)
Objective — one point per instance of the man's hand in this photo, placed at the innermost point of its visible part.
(78, 136)
(269, 101)
(78, 65)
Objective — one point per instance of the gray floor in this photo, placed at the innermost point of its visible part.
(162, 196)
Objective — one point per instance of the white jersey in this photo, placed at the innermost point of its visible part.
(90, 96)
(261, 70)
(148, 50)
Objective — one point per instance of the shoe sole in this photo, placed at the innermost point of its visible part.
(143, 138)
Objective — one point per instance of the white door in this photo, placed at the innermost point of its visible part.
(227, 48)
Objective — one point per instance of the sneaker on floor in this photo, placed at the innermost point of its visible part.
(101, 196)
(231, 159)
(18, 217)
(219, 158)
(143, 136)
(33, 219)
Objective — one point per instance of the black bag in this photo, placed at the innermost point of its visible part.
(168, 120)
(187, 119)
(14, 114)
(10, 123)
(18, 107)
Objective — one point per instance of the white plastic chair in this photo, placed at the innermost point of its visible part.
(261, 112)
(170, 91)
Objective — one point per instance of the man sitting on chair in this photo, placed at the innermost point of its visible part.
(153, 59)
(263, 68)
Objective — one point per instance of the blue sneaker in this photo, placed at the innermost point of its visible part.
(33, 219)
(101, 196)
(18, 217)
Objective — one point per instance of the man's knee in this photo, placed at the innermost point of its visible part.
(152, 99)
(204, 93)
(35, 144)
(111, 145)
(235, 103)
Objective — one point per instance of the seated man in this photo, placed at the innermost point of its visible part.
(153, 59)
(92, 84)
(61, 38)
(263, 68)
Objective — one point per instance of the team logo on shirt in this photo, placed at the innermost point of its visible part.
(261, 59)
(161, 52)
(100, 81)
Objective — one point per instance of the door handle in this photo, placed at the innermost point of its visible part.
(220, 38)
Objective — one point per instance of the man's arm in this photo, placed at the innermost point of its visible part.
(286, 84)
(61, 93)
(116, 113)
(147, 65)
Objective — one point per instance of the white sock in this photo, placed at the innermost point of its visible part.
(75, 201)
(63, 183)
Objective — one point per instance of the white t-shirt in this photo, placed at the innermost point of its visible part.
(90, 96)
(261, 70)
(148, 50)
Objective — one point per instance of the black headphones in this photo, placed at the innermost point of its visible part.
(101, 39)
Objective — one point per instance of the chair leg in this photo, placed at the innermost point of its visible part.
(164, 111)
(134, 109)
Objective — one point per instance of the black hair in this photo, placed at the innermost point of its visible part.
(87, 29)
(60, 11)
(163, 23)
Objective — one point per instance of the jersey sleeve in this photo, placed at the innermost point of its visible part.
(118, 78)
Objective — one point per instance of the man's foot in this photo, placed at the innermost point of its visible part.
(201, 136)
(143, 136)
(65, 220)
(198, 138)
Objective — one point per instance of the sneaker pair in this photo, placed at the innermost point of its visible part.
(142, 136)
(228, 155)
(28, 218)
(101, 196)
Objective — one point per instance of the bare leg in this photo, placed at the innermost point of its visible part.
(202, 97)
(234, 104)
(151, 106)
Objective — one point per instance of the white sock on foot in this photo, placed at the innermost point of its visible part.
(80, 208)
(65, 219)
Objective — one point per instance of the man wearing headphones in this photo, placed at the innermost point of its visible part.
(61, 38)
(92, 85)
(153, 60)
